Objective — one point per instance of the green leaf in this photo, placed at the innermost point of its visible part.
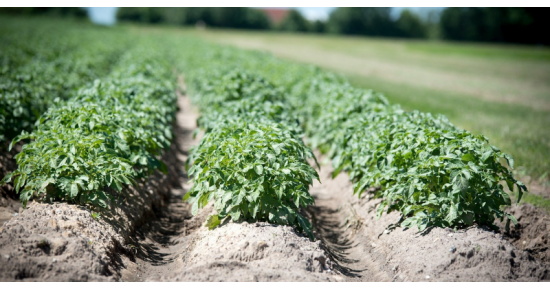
(510, 160)
(259, 169)
(468, 157)
(212, 222)
(512, 218)
(74, 190)
(235, 213)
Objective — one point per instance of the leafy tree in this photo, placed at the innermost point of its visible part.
(77, 12)
(257, 19)
(140, 14)
(503, 24)
(232, 17)
(294, 21)
(410, 25)
(372, 21)
(318, 26)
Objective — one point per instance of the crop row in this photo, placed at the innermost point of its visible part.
(107, 135)
(40, 68)
(251, 161)
(432, 172)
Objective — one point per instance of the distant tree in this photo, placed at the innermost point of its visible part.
(76, 12)
(373, 21)
(410, 25)
(502, 24)
(196, 14)
(239, 17)
(175, 15)
(318, 26)
(140, 14)
(231, 17)
(294, 21)
(257, 19)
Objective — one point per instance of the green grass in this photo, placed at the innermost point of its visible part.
(534, 199)
(482, 50)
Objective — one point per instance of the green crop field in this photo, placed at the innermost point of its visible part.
(107, 129)
(502, 92)
(142, 153)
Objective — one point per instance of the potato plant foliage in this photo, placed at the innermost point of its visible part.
(223, 94)
(432, 172)
(253, 171)
(40, 69)
(252, 161)
(103, 138)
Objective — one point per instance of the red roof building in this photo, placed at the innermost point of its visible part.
(275, 15)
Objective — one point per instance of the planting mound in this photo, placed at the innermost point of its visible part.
(175, 246)
(437, 254)
(533, 232)
(254, 252)
(62, 242)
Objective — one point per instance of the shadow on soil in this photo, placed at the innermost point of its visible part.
(335, 241)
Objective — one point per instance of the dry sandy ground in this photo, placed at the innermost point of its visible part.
(153, 237)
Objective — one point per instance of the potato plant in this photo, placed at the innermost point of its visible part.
(252, 162)
(432, 174)
(253, 171)
(104, 138)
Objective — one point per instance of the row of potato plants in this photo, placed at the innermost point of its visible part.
(432, 172)
(108, 135)
(43, 64)
(251, 162)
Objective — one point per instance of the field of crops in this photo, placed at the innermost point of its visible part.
(103, 119)
(500, 91)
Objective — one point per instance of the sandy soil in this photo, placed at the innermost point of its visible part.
(532, 233)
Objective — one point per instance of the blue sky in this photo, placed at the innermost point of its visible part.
(106, 15)
(102, 15)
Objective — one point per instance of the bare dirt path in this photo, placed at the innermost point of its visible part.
(157, 243)
(338, 226)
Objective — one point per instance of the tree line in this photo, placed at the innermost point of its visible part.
(75, 12)
(516, 25)
(501, 24)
